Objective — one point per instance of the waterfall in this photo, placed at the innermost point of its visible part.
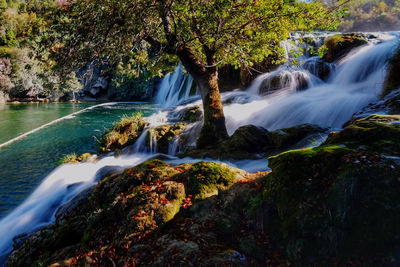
(356, 82)
(175, 88)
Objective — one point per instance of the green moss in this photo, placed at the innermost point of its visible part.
(123, 133)
(207, 178)
(172, 208)
(70, 158)
(337, 197)
(376, 133)
(43, 260)
(339, 45)
(164, 134)
(73, 158)
(193, 114)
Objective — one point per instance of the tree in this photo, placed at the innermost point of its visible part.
(201, 34)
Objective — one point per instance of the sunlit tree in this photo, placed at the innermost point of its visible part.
(201, 34)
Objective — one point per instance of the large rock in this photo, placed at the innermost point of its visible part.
(392, 81)
(295, 80)
(341, 197)
(122, 134)
(163, 135)
(341, 44)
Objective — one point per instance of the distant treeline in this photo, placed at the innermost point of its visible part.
(26, 66)
(373, 15)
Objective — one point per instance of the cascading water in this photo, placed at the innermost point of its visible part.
(58, 188)
(357, 81)
(175, 88)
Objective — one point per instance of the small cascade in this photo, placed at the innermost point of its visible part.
(173, 147)
(291, 80)
(175, 88)
(153, 142)
(58, 188)
(140, 144)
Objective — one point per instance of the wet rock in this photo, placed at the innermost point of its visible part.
(249, 138)
(319, 68)
(392, 81)
(163, 135)
(283, 80)
(341, 44)
(287, 137)
(251, 142)
(72, 204)
(338, 196)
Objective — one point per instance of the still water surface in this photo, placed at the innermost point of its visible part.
(24, 163)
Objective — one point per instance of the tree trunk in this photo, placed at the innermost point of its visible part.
(214, 129)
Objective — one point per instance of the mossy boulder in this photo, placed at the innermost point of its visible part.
(73, 158)
(164, 134)
(249, 140)
(129, 213)
(392, 81)
(287, 137)
(125, 132)
(340, 45)
(338, 203)
(376, 133)
(208, 178)
(193, 114)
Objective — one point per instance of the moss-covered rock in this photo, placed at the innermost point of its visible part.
(123, 133)
(338, 203)
(164, 134)
(377, 133)
(249, 140)
(287, 137)
(193, 114)
(340, 44)
(73, 158)
(392, 81)
(129, 213)
(208, 178)
(246, 139)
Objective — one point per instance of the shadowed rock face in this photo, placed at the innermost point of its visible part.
(393, 78)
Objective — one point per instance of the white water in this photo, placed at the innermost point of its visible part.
(357, 81)
(57, 188)
(175, 88)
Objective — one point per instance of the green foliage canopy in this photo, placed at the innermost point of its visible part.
(227, 31)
